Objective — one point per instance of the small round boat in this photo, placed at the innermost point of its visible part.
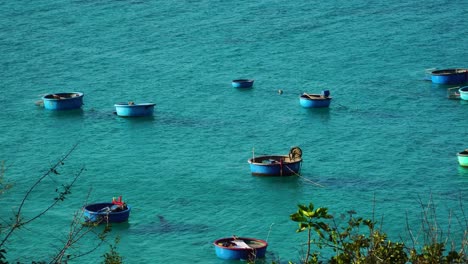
(277, 165)
(242, 83)
(315, 100)
(240, 248)
(131, 109)
(63, 101)
(463, 158)
(106, 213)
(449, 76)
(463, 93)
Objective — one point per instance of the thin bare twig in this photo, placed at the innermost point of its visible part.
(18, 222)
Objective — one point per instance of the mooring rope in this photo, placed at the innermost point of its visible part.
(269, 231)
(304, 178)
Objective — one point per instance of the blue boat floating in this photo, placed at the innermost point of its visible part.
(449, 76)
(63, 101)
(277, 165)
(131, 109)
(242, 83)
(463, 91)
(315, 100)
(240, 248)
(463, 158)
(114, 212)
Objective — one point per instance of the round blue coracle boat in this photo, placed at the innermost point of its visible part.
(277, 165)
(315, 100)
(449, 76)
(463, 93)
(63, 101)
(240, 248)
(114, 212)
(131, 109)
(463, 158)
(242, 83)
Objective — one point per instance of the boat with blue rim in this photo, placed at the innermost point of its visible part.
(116, 211)
(463, 91)
(242, 83)
(463, 158)
(63, 101)
(131, 109)
(240, 248)
(277, 165)
(315, 100)
(449, 76)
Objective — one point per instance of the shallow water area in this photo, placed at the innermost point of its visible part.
(387, 143)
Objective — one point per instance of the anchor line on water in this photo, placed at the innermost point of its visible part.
(304, 178)
(269, 231)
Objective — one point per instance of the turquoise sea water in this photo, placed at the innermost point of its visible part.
(388, 140)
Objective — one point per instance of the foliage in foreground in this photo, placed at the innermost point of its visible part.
(77, 229)
(113, 257)
(360, 242)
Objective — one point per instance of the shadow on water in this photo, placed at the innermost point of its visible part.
(322, 113)
(172, 119)
(162, 226)
(136, 119)
(445, 86)
(116, 227)
(463, 171)
(243, 90)
(66, 114)
(121, 226)
(274, 181)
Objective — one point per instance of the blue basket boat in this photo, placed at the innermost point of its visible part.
(131, 109)
(463, 93)
(63, 101)
(277, 165)
(449, 76)
(114, 212)
(240, 248)
(463, 158)
(242, 83)
(315, 100)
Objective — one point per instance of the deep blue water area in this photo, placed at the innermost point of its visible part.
(386, 145)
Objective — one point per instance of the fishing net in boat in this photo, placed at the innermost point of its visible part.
(295, 153)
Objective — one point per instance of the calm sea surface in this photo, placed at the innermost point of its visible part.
(387, 143)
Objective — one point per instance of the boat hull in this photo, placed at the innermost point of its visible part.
(463, 93)
(315, 102)
(242, 83)
(274, 166)
(63, 101)
(257, 249)
(449, 76)
(95, 213)
(126, 110)
(463, 158)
